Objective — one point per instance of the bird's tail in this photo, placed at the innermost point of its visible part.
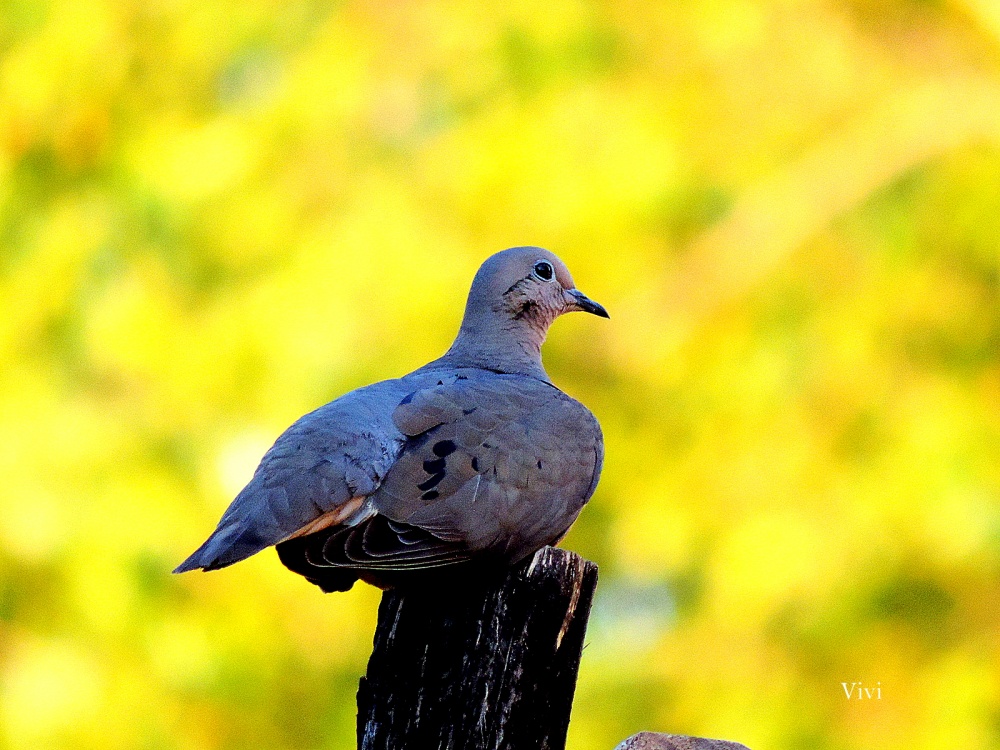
(227, 545)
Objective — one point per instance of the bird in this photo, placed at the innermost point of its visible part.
(475, 459)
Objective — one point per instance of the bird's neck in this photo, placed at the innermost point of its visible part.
(509, 346)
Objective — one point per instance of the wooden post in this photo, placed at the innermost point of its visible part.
(479, 667)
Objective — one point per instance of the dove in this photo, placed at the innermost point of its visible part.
(474, 458)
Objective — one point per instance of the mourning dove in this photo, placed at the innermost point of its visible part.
(475, 456)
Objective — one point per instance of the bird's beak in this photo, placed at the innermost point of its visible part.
(580, 301)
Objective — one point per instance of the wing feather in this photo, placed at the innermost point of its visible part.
(318, 466)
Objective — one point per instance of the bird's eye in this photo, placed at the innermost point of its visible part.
(543, 270)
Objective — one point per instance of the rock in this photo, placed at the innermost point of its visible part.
(654, 741)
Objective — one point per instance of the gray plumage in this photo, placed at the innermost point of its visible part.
(473, 457)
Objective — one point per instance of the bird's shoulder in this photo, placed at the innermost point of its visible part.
(485, 397)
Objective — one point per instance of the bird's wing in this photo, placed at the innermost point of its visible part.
(492, 466)
(317, 474)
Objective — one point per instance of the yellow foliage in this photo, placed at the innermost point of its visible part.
(215, 217)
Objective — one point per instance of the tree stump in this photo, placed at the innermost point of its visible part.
(479, 666)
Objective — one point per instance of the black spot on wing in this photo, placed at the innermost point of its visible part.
(430, 495)
(443, 448)
(432, 482)
(434, 466)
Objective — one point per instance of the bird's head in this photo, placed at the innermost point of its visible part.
(530, 284)
(515, 296)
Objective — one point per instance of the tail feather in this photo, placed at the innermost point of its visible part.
(225, 547)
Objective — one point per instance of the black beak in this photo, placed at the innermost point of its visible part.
(585, 303)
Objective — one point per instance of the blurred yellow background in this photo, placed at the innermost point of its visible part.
(215, 217)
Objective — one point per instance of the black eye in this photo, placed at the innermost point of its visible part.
(543, 270)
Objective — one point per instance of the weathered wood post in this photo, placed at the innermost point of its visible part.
(485, 667)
